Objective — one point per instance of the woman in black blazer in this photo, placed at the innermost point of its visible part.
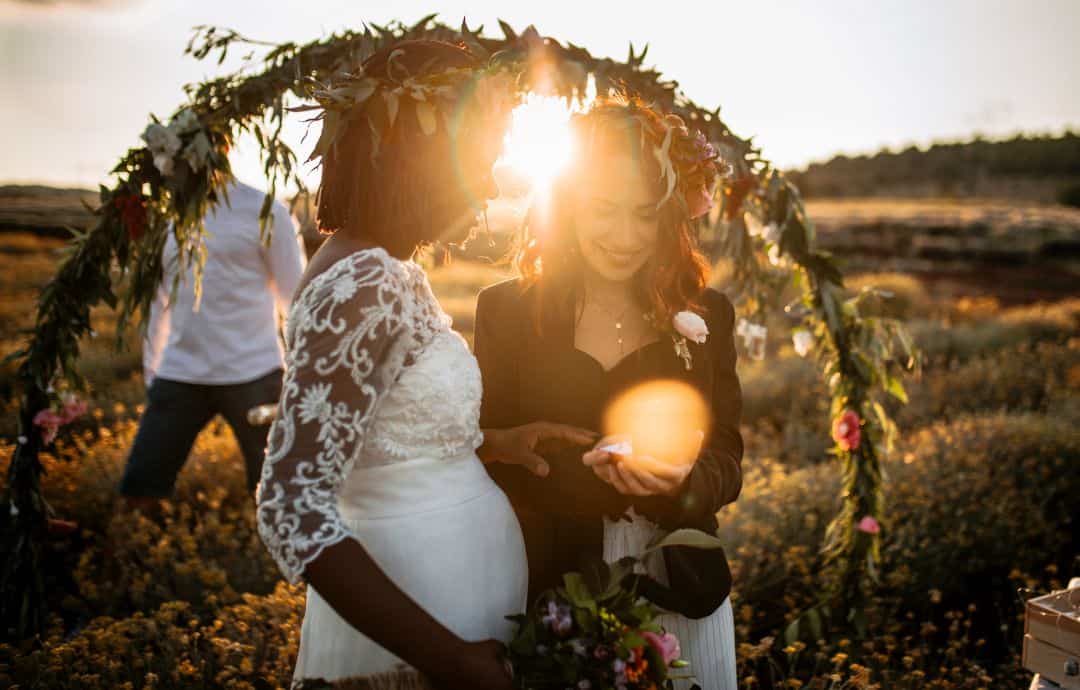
(603, 272)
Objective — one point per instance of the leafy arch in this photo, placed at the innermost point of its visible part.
(149, 198)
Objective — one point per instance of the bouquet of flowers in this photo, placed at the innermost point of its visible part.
(597, 633)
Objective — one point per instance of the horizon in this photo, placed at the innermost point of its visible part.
(994, 70)
(887, 150)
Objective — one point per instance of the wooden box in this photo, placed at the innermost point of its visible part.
(1052, 637)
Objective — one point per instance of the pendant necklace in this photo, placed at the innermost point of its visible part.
(618, 319)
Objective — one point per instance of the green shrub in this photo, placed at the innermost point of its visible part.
(975, 508)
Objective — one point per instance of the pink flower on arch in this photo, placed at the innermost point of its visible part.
(73, 409)
(869, 525)
(846, 430)
(50, 420)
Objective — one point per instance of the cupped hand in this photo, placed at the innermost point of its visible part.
(518, 445)
(641, 475)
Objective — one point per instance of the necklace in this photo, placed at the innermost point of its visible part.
(618, 318)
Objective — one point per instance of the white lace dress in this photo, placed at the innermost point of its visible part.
(375, 440)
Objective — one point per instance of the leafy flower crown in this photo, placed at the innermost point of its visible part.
(689, 164)
(463, 99)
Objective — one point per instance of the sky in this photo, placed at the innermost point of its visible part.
(807, 79)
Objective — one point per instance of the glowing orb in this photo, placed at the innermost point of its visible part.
(663, 419)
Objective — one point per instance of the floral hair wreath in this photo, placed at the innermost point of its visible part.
(353, 94)
(690, 165)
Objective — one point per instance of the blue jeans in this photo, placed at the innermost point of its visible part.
(175, 414)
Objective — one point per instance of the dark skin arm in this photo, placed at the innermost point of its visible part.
(375, 606)
(354, 585)
(520, 445)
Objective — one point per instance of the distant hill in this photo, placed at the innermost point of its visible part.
(45, 210)
(1043, 169)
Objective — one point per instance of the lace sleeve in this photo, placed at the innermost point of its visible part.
(347, 338)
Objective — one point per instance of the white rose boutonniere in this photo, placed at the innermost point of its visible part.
(688, 326)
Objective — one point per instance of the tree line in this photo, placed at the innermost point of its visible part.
(1043, 168)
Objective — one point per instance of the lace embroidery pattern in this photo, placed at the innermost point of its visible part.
(349, 334)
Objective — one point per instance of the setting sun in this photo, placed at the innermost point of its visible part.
(538, 144)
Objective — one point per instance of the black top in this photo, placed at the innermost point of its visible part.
(528, 377)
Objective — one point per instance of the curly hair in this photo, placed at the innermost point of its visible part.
(397, 203)
(546, 254)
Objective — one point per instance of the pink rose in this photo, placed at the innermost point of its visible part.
(846, 431)
(869, 525)
(49, 422)
(73, 409)
(48, 417)
(699, 201)
(667, 645)
(691, 326)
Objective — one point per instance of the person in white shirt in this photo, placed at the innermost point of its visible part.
(220, 356)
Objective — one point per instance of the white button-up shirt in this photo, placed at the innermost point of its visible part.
(246, 290)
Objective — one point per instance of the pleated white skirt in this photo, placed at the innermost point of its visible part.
(708, 644)
(447, 536)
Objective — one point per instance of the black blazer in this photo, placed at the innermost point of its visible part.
(528, 377)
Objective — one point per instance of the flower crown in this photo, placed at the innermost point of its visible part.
(440, 96)
(689, 164)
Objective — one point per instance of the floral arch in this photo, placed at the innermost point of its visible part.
(167, 186)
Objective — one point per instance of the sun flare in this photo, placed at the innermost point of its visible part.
(538, 144)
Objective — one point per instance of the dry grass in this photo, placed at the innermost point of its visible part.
(978, 504)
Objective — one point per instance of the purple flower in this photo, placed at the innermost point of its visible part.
(602, 653)
(558, 618)
(619, 667)
(703, 149)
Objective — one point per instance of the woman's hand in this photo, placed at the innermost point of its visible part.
(518, 445)
(480, 666)
(641, 475)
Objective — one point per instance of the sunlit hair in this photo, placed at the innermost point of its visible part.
(400, 202)
(547, 255)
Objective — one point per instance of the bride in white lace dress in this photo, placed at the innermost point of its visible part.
(376, 443)
(372, 490)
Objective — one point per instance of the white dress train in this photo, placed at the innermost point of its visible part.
(375, 439)
(707, 643)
